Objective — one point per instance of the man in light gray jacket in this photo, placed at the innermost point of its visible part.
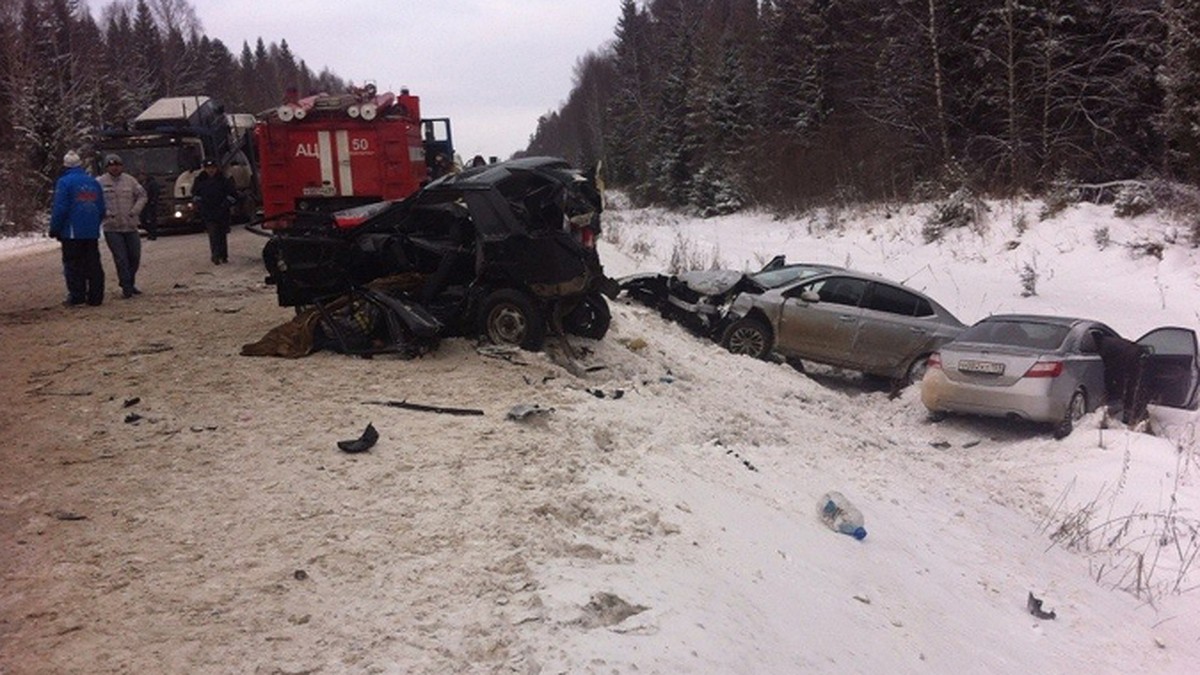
(124, 198)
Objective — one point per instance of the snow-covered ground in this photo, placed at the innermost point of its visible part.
(960, 515)
(29, 243)
(672, 529)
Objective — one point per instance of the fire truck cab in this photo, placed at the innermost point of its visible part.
(325, 153)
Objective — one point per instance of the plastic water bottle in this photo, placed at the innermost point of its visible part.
(840, 515)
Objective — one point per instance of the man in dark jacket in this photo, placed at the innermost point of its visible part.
(75, 221)
(149, 214)
(214, 194)
(1123, 370)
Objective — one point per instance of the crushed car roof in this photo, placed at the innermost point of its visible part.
(484, 177)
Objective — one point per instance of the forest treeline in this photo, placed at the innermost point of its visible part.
(707, 104)
(715, 104)
(65, 74)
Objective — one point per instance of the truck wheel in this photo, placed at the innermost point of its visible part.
(511, 317)
(590, 318)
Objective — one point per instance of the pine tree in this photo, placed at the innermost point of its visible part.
(266, 92)
(675, 142)
(143, 60)
(286, 70)
(220, 74)
(627, 117)
(183, 69)
(794, 93)
(719, 187)
(50, 92)
(1180, 77)
(131, 83)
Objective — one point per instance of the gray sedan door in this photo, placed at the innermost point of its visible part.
(823, 330)
(1170, 372)
(892, 330)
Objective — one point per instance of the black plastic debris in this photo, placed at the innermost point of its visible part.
(129, 402)
(66, 515)
(362, 443)
(299, 575)
(745, 462)
(510, 353)
(462, 412)
(1034, 605)
(600, 393)
(132, 417)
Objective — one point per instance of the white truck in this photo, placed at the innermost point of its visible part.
(168, 141)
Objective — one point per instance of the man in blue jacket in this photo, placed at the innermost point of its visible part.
(75, 221)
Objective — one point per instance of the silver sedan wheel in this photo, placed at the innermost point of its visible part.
(1077, 408)
(748, 337)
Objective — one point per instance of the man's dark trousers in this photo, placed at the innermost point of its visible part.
(83, 271)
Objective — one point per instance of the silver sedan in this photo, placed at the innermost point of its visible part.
(1056, 369)
(843, 318)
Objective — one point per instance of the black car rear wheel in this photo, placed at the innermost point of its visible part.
(590, 318)
(749, 337)
(510, 317)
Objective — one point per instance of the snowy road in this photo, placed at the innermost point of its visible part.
(670, 529)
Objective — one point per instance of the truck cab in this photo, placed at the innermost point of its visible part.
(167, 143)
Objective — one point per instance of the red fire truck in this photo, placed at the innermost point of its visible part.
(326, 152)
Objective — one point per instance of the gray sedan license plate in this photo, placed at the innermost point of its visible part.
(982, 367)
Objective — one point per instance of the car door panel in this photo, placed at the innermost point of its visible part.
(1170, 370)
(817, 330)
(886, 342)
(889, 334)
(824, 330)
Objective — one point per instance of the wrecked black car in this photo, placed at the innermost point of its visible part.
(700, 299)
(507, 251)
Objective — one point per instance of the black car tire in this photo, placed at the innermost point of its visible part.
(1076, 409)
(749, 337)
(511, 317)
(270, 256)
(590, 318)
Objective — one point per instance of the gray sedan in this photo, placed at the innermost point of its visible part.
(843, 318)
(1056, 369)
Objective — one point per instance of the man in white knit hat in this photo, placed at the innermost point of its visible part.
(75, 219)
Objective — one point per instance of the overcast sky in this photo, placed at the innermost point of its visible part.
(492, 66)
